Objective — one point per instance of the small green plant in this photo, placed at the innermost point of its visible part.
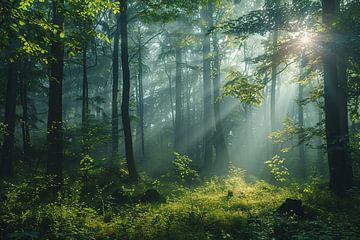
(277, 168)
(86, 168)
(183, 170)
(2, 128)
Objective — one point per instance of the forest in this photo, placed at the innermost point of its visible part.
(179, 119)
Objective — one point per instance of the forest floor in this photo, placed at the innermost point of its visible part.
(218, 208)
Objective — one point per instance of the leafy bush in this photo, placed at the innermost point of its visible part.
(86, 168)
(25, 212)
(183, 170)
(277, 168)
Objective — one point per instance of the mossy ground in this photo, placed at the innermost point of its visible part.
(218, 208)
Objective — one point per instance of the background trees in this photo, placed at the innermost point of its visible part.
(184, 66)
(111, 106)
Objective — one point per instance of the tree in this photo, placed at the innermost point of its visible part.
(222, 154)
(115, 93)
(23, 79)
(178, 133)
(55, 121)
(7, 168)
(208, 115)
(302, 162)
(274, 73)
(140, 93)
(129, 152)
(335, 106)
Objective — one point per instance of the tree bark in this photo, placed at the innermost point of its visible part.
(85, 89)
(7, 168)
(344, 116)
(207, 116)
(273, 90)
(25, 119)
(222, 154)
(133, 175)
(170, 95)
(302, 162)
(141, 99)
(178, 141)
(335, 107)
(55, 124)
(320, 153)
(85, 101)
(115, 92)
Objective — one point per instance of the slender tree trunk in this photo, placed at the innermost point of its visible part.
(197, 120)
(85, 90)
(7, 168)
(302, 162)
(320, 153)
(268, 152)
(25, 119)
(274, 66)
(178, 100)
(207, 116)
(273, 91)
(170, 96)
(85, 101)
(334, 97)
(222, 154)
(141, 99)
(55, 124)
(129, 153)
(189, 143)
(115, 93)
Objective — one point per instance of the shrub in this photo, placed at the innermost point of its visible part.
(183, 171)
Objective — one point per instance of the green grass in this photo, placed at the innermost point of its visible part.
(201, 212)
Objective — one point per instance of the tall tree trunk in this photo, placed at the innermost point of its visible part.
(141, 99)
(320, 152)
(207, 116)
(188, 115)
(85, 100)
(274, 65)
(85, 89)
(25, 119)
(268, 152)
(129, 153)
(7, 168)
(335, 111)
(344, 117)
(55, 124)
(170, 95)
(222, 154)
(115, 93)
(302, 162)
(197, 119)
(178, 100)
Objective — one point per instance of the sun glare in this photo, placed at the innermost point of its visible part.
(305, 38)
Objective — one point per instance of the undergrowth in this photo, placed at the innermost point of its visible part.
(219, 208)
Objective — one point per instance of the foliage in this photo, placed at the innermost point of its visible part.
(25, 212)
(86, 164)
(287, 17)
(202, 212)
(2, 128)
(277, 168)
(183, 170)
(291, 135)
(354, 89)
(242, 88)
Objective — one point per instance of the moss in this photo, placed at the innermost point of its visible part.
(202, 212)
